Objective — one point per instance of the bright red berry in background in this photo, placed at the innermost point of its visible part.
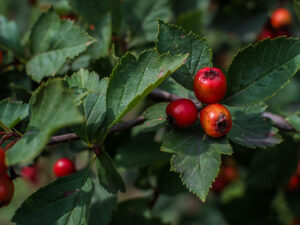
(210, 85)
(281, 18)
(30, 173)
(215, 120)
(6, 190)
(64, 167)
(230, 174)
(182, 112)
(218, 185)
(3, 166)
(265, 33)
(293, 183)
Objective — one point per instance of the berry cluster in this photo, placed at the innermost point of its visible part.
(277, 25)
(294, 182)
(6, 183)
(209, 88)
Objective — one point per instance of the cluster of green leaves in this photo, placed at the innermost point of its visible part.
(91, 104)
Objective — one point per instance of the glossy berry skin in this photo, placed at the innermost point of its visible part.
(230, 174)
(30, 173)
(293, 183)
(210, 85)
(181, 113)
(6, 190)
(63, 167)
(218, 185)
(3, 166)
(281, 17)
(215, 120)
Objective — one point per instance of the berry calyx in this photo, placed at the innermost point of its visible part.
(63, 167)
(280, 18)
(3, 167)
(6, 190)
(293, 183)
(215, 120)
(210, 85)
(181, 113)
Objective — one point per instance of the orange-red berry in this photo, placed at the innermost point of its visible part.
(280, 18)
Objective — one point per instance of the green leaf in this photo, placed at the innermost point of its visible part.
(9, 36)
(141, 18)
(294, 120)
(91, 98)
(297, 8)
(170, 85)
(102, 33)
(53, 42)
(155, 117)
(51, 108)
(140, 150)
(133, 79)
(173, 39)
(11, 113)
(275, 62)
(109, 176)
(196, 157)
(65, 201)
(252, 130)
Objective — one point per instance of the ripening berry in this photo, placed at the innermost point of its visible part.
(280, 18)
(293, 183)
(181, 113)
(215, 120)
(6, 190)
(218, 185)
(63, 167)
(210, 85)
(230, 174)
(3, 166)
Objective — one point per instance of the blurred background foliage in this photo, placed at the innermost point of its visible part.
(255, 193)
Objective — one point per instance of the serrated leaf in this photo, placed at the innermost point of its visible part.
(275, 62)
(141, 18)
(252, 130)
(108, 175)
(170, 85)
(173, 39)
(11, 113)
(9, 36)
(53, 42)
(297, 8)
(63, 202)
(155, 117)
(91, 98)
(195, 157)
(51, 108)
(133, 79)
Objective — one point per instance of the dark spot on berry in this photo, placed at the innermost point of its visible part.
(211, 74)
(222, 124)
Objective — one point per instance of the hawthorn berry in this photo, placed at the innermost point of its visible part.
(282, 32)
(281, 17)
(3, 166)
(218, 185)
(265, 33)
(6, 190)
(230, 174)
(210, 85)
(293, 183)
(30, 173)
(182, 112)
(63, 167)
(215, 120)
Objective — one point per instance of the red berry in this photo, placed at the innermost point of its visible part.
(218, 185)
(230, 174)
(3, 166)
(265, 33)
(282, 32)
(210, 85)
(182, 112)
(64, 167)
(293, 183)
(6, 190)
(281, 17)
(30, 173)
(215, 120)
